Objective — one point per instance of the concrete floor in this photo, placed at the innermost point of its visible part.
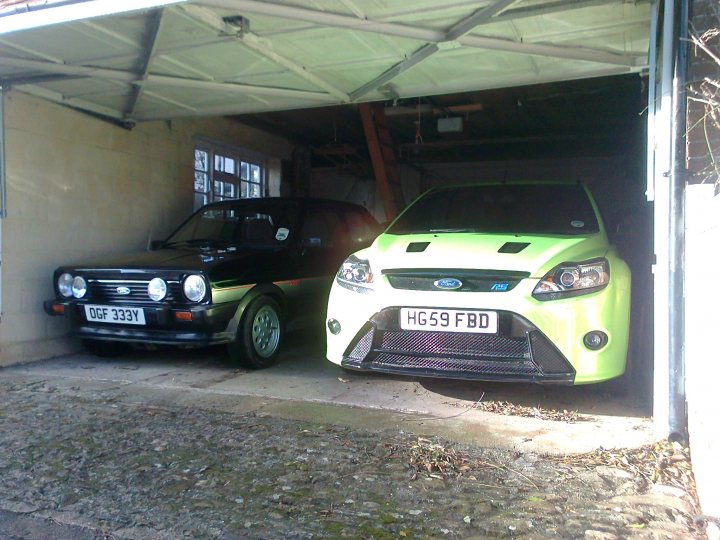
(303, 385)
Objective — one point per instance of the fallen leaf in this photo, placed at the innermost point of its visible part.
(343, 380)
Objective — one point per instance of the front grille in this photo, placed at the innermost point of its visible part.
(106, 290)
(472, 280)
(519, 351)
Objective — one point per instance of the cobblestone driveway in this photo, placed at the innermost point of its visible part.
(84, 462)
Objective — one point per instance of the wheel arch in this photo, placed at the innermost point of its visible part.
(261, 289)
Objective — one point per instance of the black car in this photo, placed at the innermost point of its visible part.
(238, 272)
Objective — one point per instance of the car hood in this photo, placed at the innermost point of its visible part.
(536, 254)
(166, 259)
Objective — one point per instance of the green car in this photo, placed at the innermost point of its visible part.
(505, 282)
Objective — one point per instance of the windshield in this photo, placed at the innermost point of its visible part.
(532, 209)
(257, 224)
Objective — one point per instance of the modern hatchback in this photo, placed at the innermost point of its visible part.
(508, 282)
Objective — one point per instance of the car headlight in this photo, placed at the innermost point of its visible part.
(355, 274)
(79, 287)
(157, 289)
(64, 285)
(194, 288)
(572, 279)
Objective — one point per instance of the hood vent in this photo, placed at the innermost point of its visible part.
(513, 247)
(417, 247)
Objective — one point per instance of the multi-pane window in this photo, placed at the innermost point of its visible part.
(223, 175)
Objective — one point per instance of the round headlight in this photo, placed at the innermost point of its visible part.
(79, 287)
(194, 288)
(64, 285)
(157, 289)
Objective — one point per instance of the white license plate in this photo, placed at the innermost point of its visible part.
(449, 320)
(114, 315)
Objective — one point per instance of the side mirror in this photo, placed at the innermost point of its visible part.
(156, 244)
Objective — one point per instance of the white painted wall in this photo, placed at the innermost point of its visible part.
(79, 187)
(702, 325)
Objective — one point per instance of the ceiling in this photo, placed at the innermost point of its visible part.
(174, 58)
(582, 118)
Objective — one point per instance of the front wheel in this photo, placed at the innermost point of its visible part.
(259, 335)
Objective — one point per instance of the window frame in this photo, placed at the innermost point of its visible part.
(239, 171)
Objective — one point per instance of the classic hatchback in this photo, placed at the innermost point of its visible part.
(236, 272)
(509, 282)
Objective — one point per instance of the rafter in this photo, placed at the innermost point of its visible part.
(57, 97)
(452, 34)
(154, 24)
(165, 80)
(133, 78)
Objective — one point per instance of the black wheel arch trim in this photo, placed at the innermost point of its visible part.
(261, 289)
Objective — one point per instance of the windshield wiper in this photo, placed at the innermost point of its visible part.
(451, 230)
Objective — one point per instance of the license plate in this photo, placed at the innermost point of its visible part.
(449, 320)
(114, 315)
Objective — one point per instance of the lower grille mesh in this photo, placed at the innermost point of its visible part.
(456, 344)
(488, 367)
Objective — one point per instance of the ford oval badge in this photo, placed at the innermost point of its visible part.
(448, 284)
(123, 290)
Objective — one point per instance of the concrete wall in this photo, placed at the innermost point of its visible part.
(79, 187)
(617, 182)
(702, 369)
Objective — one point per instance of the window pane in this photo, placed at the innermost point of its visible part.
(255, 173)
(255, 190)
(199, 200)
(244, 189)
(224, 164)
(201, 160)
(244, 170)
(218, 188)
(201, 182)
(229, 192)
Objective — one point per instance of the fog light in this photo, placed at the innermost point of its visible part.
(333, 326)
(595, 340)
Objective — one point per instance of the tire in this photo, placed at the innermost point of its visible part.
(260, 335)
(105, 349)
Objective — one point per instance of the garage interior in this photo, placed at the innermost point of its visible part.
(413, 95)
(464, 90)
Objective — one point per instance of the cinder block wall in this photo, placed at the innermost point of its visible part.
(78, 187)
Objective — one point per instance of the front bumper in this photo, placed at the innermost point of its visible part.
(519, 352)
(209, 324)
(544, 342)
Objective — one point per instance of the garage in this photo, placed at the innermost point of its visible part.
(306, 99)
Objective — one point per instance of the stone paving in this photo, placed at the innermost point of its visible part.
(87, 462)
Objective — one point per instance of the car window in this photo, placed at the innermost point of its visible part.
(260, 224)
(360, 230)
(520, 208)
(321, 227)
